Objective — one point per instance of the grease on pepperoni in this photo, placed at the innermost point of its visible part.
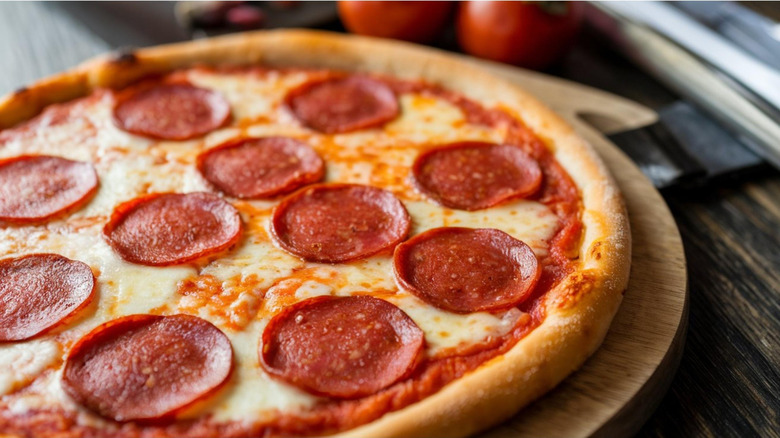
(36, 188)
(257, 168)
(334, 223)
(345, 347)
(40, 291)
(344, 104)
(465, 270)
(172, 228)
(147, 367)
(475, 175)
(171, 112)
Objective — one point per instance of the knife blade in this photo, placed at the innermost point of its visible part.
(698, 81)
(758, 35)
(686, 148)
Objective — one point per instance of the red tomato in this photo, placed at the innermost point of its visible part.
(404, 20)
(529, 34)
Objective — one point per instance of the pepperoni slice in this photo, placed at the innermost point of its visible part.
(335, 223)
(35, 188)
(474, 175)
(257, 168)
(172, 112)
(465, 270)
(344, 104)
(172, 228)
(39, 291)
(147, 367)
(345, 347)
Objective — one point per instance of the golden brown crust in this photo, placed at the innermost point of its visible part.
(579, 309)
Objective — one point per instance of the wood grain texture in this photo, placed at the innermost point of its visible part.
(36, 40)
(619, 387)
(729, 377)
(728, 382)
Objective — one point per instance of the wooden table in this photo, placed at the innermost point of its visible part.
(728, 383)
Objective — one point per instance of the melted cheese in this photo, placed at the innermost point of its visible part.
(241, 290)
(251, 96)
(27, 359)
(253, 392)
(447, 331)
(529, 221)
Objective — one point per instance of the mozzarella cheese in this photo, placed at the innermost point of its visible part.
(241, 290)
(22, 362)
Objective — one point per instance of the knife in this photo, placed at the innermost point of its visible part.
(674, 48)
(686, 148)
(756, 34)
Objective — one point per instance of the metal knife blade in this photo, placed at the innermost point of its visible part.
(685, 148)
(688, 74)
(753, 32)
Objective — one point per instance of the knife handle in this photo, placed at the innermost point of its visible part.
(658, 154)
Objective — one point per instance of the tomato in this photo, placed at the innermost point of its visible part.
(404, 20)
(528, 34)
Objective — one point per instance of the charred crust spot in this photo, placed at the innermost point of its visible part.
(595, 250)
(581, 284)
(124, 56)
(20, 90)
(586, 330)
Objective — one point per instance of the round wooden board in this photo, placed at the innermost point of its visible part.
(618, 388)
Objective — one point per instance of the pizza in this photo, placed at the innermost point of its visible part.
(294, 233)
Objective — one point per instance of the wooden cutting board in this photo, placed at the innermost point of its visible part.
(618, 388)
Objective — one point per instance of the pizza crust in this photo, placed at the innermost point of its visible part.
(578, 310)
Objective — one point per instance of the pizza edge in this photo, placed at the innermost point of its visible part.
(579, 310)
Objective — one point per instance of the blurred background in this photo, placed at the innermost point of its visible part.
(709, 70)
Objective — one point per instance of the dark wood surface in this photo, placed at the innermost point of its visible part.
(728, 383)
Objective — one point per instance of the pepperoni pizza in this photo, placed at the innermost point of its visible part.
(293, 234)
